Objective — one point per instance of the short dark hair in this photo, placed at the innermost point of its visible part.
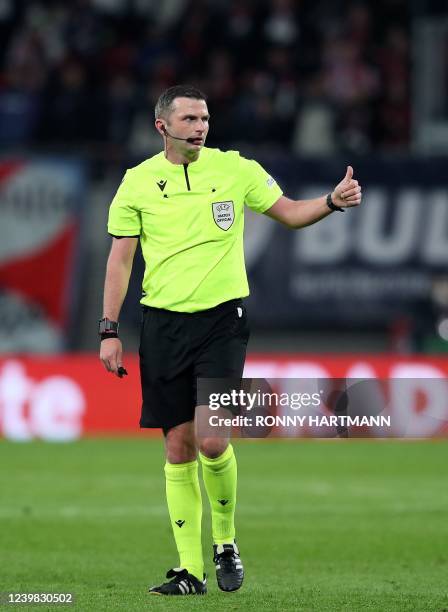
(165, 101)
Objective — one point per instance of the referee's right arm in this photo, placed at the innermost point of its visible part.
(118, 272)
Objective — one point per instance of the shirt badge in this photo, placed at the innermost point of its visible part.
(223, 214)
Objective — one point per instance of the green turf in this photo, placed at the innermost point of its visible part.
(341, 525)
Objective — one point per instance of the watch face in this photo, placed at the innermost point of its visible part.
(107, 326)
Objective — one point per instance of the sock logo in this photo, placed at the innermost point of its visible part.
(179, 523)
(161, 184)
(223, 502)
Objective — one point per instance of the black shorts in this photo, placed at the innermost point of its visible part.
(176, 348)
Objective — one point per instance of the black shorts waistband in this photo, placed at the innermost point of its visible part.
(208, 311)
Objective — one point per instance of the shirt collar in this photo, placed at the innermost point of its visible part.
(191, 165)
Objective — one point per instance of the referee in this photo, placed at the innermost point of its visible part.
(186, 206)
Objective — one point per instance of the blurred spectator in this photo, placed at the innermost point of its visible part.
(393, 119)
(69, 114)
(21, 87)
(240, 30)
(314, 129)
(19, 109)
(352, 86)
(281, 25)
(120, 106)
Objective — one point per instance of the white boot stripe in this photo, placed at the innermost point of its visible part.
(183, 587)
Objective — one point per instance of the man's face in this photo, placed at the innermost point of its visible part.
(188, 119)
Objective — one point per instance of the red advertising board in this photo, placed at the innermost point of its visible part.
(67, 397)
(41, 206)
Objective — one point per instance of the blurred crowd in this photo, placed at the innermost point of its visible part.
(312, 76)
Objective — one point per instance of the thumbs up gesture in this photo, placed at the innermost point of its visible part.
(348, 191)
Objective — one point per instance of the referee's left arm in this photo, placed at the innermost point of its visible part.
(300, 213)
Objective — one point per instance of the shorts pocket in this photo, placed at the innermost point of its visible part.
(240, 325)
(147, 314)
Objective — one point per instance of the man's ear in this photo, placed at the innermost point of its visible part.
(160, 127)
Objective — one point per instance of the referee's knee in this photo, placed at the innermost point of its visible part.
(180, 444)
(213, 447)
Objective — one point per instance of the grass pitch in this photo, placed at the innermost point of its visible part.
(336, 525)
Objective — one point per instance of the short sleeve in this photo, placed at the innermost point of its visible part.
(124, 217)
(261, 190)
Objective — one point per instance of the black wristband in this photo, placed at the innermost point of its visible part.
(332, 206)
(108, 328)
(106, 336)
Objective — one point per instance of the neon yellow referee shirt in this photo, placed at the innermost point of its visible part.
(190, 220)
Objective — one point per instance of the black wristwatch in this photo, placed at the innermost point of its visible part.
(108, 328)
(332, 206)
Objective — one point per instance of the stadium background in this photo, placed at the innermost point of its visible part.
(306, 88)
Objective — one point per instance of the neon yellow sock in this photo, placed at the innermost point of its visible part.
(220, 476)
(185, 507)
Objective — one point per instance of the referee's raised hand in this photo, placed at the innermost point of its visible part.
(111, 353)
(348, 192)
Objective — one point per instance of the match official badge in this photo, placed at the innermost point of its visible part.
(223, 214)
